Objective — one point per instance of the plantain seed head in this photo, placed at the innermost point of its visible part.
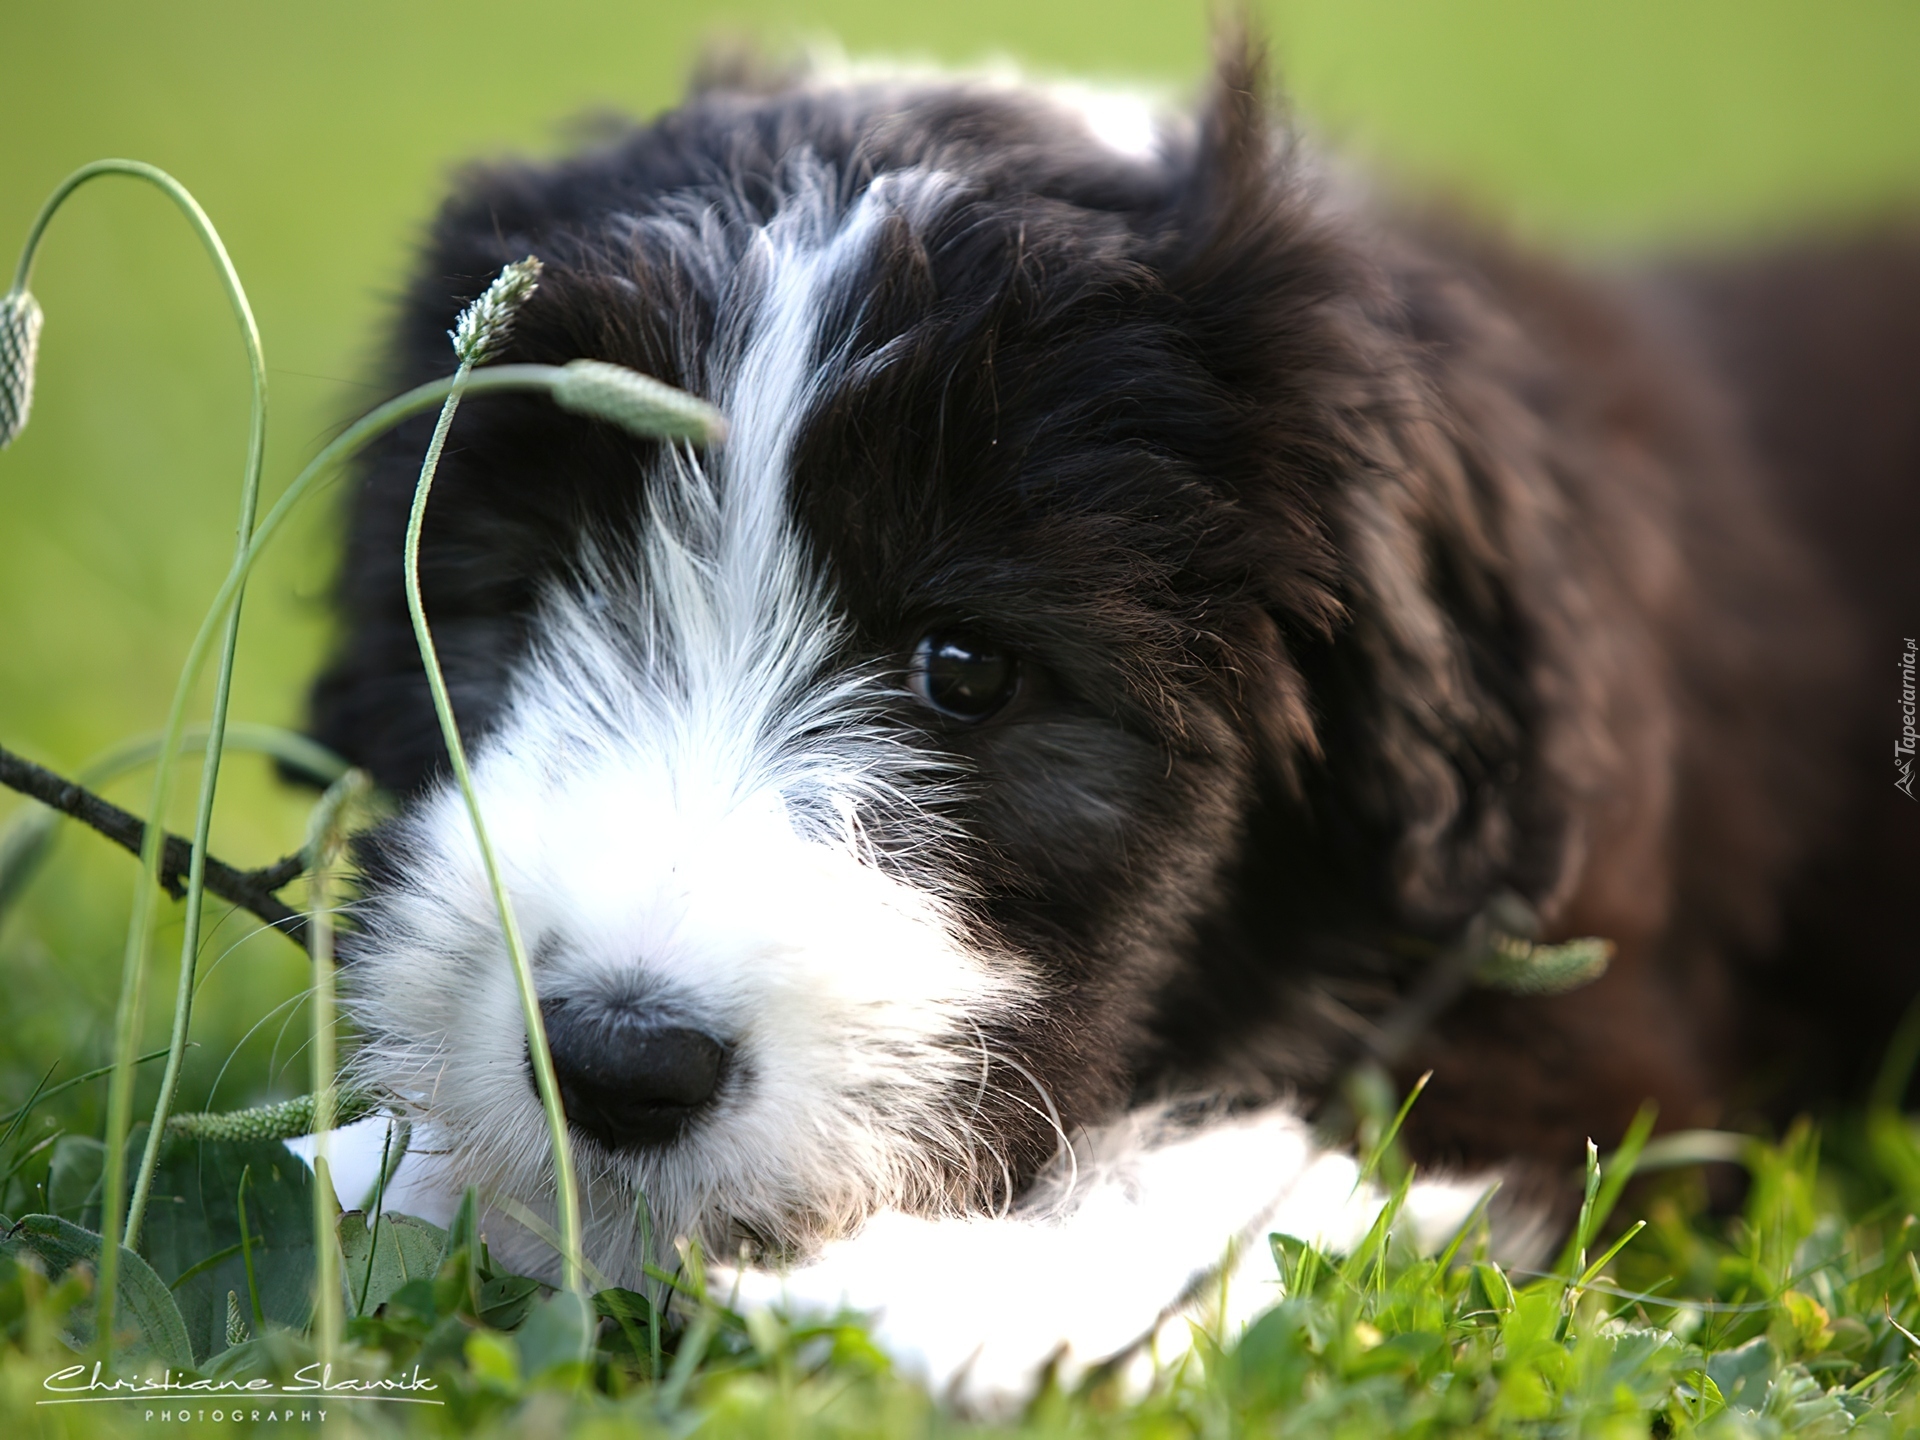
(637, 402)
(19, 343)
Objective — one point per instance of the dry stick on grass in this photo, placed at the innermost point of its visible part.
(251, 890)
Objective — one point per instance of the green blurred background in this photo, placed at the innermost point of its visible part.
(319, 136)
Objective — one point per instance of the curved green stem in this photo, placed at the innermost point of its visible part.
(139, 932)
(326, 838)
(210, 767)
(342, 448)
(369, 427)
(567, 1191)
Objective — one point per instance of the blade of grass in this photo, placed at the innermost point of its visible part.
(1587, 1275)
(1357, 1267)
(1693, 1147)
(521, 1215)
(373, 1231)
(567, 1193)
(693, 1288)
(393, 1151)
(19, 1117)
(1620, 1166)
(643, 1223)
(246, 1251)
(80, 1079)
(224, 1253)
(1380, 1147)
(1444, 1260)
(686, 1360)
(1574, 1258)
(326, 839)
(21, 1160)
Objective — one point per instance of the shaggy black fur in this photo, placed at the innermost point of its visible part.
(1361, 568)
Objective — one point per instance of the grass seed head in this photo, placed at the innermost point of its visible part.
(1522, 968)
(19, 343)
(237, 1332)
(483, 326)
(637, 402)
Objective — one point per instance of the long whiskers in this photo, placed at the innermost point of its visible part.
(1053, 1117)
(298, 998)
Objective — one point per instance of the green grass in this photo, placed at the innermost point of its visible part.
(1794, 1318)
(318, 139)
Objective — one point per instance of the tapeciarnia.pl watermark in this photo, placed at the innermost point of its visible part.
(1903, 748)
(172, 1400)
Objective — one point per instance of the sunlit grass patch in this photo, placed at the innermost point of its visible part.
(1793, 1317)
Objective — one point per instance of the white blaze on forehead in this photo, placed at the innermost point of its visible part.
(796, 260)
(700, 681)
(793, 279)
(737, 626)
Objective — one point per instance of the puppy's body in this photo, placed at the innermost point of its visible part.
(1146, 605)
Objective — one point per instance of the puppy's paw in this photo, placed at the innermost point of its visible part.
(1150, 1228)
(978, 1310)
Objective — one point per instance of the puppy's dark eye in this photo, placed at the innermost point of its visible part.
(963, 675)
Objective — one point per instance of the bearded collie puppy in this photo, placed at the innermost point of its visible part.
(1157, 608)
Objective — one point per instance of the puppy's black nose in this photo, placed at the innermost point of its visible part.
(625, 1079)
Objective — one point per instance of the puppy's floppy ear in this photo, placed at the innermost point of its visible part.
(1388, 681)
(1237, 131)
(1259, 279)
(1249, 270)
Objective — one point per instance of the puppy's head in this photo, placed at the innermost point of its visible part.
(860, 783)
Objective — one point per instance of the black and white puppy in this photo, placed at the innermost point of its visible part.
(1150, 597)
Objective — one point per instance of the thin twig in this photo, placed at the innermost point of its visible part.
(251, 890)
(280, 874)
